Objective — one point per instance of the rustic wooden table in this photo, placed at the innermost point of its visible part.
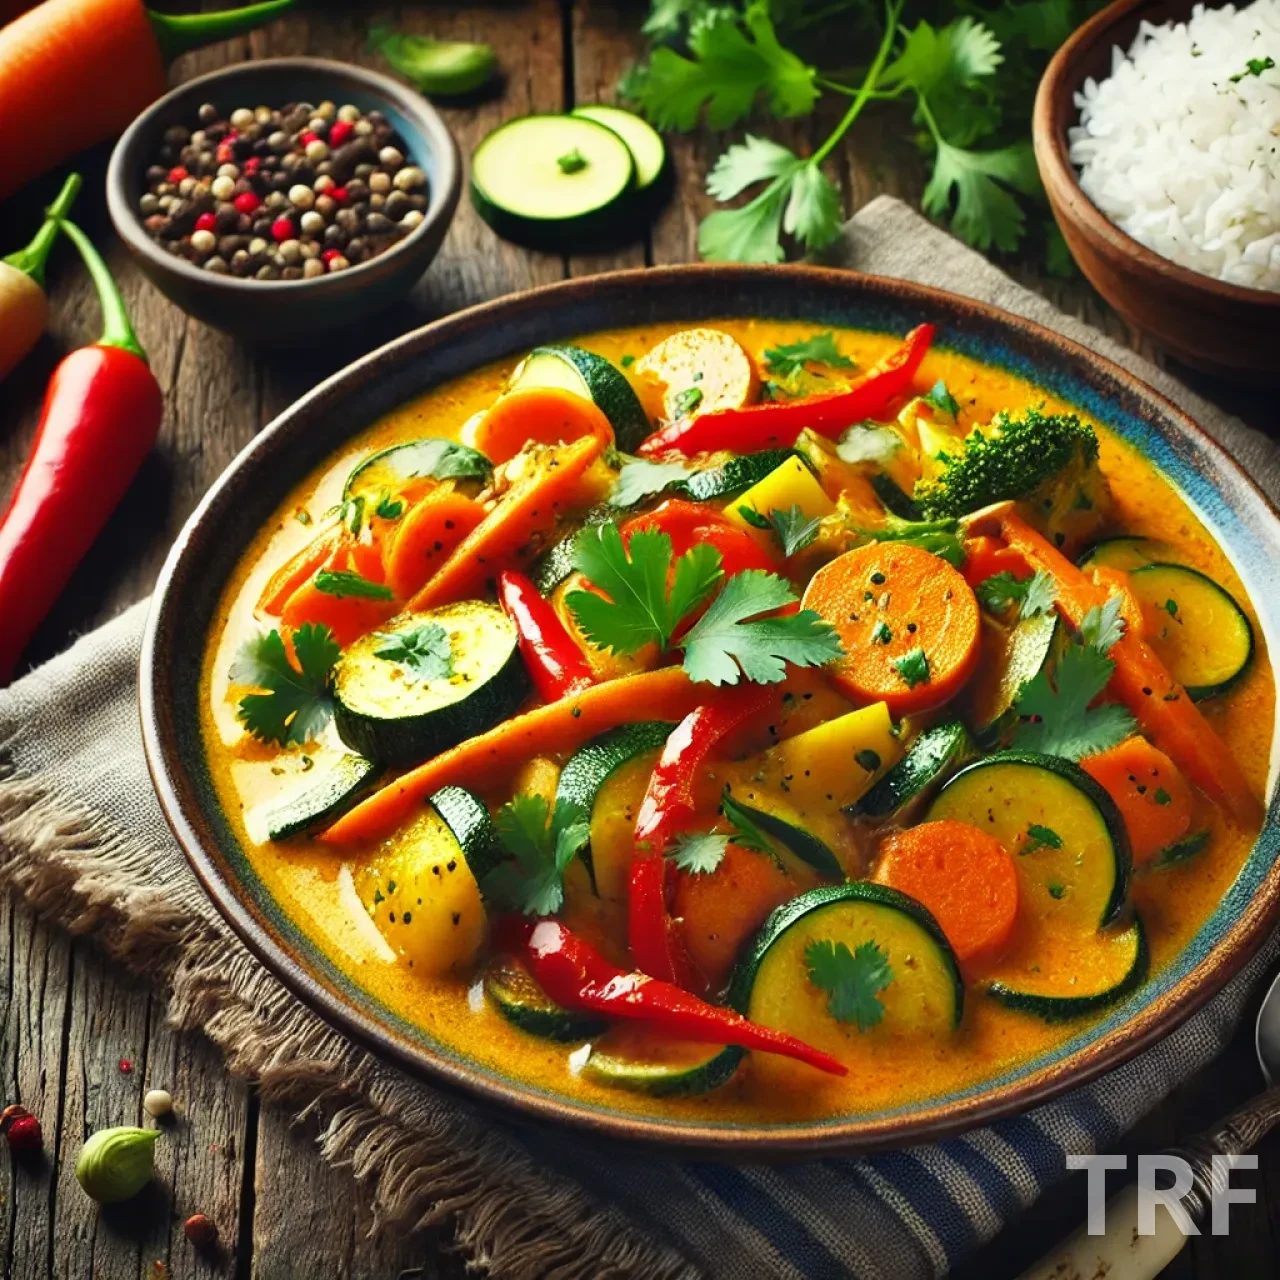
(81, 1042)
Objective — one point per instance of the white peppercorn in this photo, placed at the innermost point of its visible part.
(390, 158)
(223, 188)
(301, 196)
(204, 242)
(380, 182)
(410, 178)
(317, 150)
(312, 268)
(241, 118)
(312, 223)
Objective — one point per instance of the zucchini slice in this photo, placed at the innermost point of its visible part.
(642, 139)
(894, 499)
(513, 992)
(386, 713)
(934, 754)
(593, 378)
(1017, 654)
(555, 564)
(552, 181)
(1195, 627)
(786, 828)
(389, 471)
(1127, 553)
(1069, 840)
(733, 477)
(1101, 969)
(641, 1061)
(583, 781)
(467, 817)
(335, 790)
(925, 994)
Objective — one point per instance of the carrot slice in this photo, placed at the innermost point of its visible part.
(490, 758)
(1141, 681)
(348, 617)
(1152, 796)
(508, 534)
(908, 622)
(721, 911)
(297, 569)
(966, 878)
(427, 536)
(538, 415)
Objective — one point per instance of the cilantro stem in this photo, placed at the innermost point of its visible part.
(893, 10)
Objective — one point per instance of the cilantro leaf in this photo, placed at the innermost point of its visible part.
(961, 52)
(425, 653)
(1063, 723)
(687, 401)
(298, 701)
(733, 61)
(852, 980)
(343, 583)
(542, 843)
(986, 213)
(640, 479)
(941, 398)
(793, 529)
(389, 508)
(1033, 596)
(699, 853)
(913, 667)
(1254, 67)
(640, 608)
(791, 357)
(1040, 837)
(746, 831)
(725, 642)
(1103, 626)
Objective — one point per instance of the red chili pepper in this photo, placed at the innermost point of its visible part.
(669, 806)
(689, 523)
(776, 424)
(553, 658)
(101, 416)
(577, 976)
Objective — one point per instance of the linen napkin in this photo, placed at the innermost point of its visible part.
(82, 838)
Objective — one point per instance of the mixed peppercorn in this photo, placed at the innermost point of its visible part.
(283, 194)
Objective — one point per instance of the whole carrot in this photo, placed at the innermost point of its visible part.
(23, 307)
(101, 416)
(74, 72)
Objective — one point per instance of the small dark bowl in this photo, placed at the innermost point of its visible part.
(286, 310)
(1224, 329)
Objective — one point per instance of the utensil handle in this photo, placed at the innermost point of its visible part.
(1122, 1253)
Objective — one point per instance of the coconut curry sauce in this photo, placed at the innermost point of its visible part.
(922, 851)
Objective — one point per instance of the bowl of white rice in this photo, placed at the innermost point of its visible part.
(1157, 132)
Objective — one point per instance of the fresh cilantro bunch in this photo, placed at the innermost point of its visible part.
(542, 843)
(298, 700)
(967, 69)
(650, 594)
(1058, 716)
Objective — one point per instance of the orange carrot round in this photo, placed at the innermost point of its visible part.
(427, 536)
(538, 415)
(964, 876)
(1152, 796)
(908, 622)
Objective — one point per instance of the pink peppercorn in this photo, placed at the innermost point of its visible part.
(251, 166)
(206, 222)
(339, 132)
(339, 194)
(225, 153)
(282, 230)
(246, 201)
(328, 256)
(177, 173)
(308, 138)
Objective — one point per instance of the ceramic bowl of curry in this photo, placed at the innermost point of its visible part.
(834, 847)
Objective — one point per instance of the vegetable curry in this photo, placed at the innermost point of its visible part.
(748, 721)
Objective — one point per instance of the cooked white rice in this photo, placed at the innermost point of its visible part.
(1180, 145)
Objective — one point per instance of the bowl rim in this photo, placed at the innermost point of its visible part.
(929, 1121)
(434, 137)
(1050, 119)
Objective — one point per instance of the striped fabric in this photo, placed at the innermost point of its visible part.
(910, 1214)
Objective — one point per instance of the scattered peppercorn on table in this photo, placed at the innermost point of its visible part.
(83, 1044)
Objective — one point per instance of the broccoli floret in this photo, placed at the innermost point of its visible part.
(1048, 463)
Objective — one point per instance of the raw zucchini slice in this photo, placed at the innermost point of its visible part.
(1127, 553)
(593, 378)
(387, 472)
(1101, 969)
(641, 1061)
(785, 826)
(553, 181)
(1069, 840)
(642, 139)
(513, 992)
(335, 790)
(386, 712)
(934, 754)
(1020, 652)
(1196, 628)
(583, 780)
(924, 995)
(467, 817)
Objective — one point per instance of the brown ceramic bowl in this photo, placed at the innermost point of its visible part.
(1223, 329)
(205, 555)
(286, 311)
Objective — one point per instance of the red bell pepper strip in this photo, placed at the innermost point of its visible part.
(576, 976)
(669, 806)
(553, 658)
(690, 523)
(776, 424)
(101, 416)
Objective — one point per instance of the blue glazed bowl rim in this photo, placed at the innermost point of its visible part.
(1213, 483)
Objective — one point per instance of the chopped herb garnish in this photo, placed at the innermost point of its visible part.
(1171, 608)
(1040, 837)
(572, 161)
(789, 358)
(542, 843)
(1033, 596)
(389, 508)
(298, 701)
(941, 398)
(425, 653)
(687, 401)
(793, 529)
(627, 361)
(699, 853)
(746, 832)
(1254, 67)
(1056, 890)
(852, 980)
(913, 667)
(343, 583)
(641, 479)
(881, 633)
(1161, 796)
(1181, 850)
